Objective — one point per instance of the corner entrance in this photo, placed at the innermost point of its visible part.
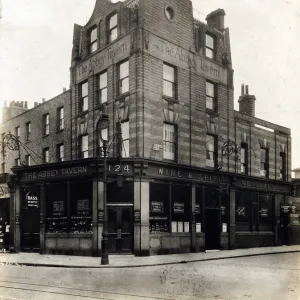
(120, 229)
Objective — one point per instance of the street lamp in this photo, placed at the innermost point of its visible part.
(103, 124)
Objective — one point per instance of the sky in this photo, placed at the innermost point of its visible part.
(36, 42)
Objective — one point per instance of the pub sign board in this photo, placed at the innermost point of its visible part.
(32, 200)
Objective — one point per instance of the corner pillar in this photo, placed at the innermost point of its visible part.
(232, 219)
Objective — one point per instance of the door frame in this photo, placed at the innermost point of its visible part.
(119, 206)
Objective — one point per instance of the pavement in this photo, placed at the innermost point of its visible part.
(131, 261)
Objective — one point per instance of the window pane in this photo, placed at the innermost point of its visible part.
(124, 88)
(93, 47)
(169, 89)
(84, 89)
(113, 21)
(210, 142)
(84, 143)
(209, 53)
(125, 148)
(124, 70)
(104, 133)
(103, 95)
(85, 104)
(210, 89)
(210, 103)
(93, 36)
(125, 130)
(242, 155)
(262, 155)
(103, 80)
(169, 73)
(209, 41)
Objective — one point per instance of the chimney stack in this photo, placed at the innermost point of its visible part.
(64, 89)
(43, 100)
(247, 102)
(216, 19)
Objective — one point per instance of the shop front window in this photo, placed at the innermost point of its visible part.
(243, 210)
(199, 209)
(159, 207)
(180, 208)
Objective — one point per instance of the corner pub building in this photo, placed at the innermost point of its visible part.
(185, 171)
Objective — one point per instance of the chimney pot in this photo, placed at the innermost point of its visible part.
(43, 100)
(64, 89)
(247, 89)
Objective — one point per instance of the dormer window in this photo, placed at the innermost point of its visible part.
(93, 40)
(210, 46)
(112, 28)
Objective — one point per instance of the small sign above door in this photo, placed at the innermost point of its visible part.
(32, 200)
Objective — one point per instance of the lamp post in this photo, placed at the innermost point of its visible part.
(103, 124)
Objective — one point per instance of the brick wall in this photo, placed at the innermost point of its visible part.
(38, 141)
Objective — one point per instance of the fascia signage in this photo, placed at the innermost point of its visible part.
(32, 200)
(55, 173)
(262, 185)
(4, 191)
(184, 174)
(101, 60)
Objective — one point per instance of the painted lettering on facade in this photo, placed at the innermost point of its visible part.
(191, 175)
(54, 173)
(188, 60)
(263, 186)
(103, 59)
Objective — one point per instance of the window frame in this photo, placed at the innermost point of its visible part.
(173, 83)
(83, 100)
(282, 167)
(82, 153)
(215, 150)
(60, 118)
(120, 80)
(244, 146)
(28, 131)
(213, 98)
(93, 42)
(208, 48)
(111, 29)
(28, 160)
(58, 152)
(167, 154)
(99, 97)
(125, 141)
(265, 162)
(46, 155)
(46, 124)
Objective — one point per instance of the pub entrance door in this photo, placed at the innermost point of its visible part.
(30, 229)
(120, 229)
(284, 224)
(212, 229)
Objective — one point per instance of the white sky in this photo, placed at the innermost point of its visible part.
(36, 42)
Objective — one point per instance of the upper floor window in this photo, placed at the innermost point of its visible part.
(18, 132)
(123, 77)
(264, 162)
(46, 155)
(60, 116)
(3, 152)
(169, 141)
(282, 166)
(211, 96)
(28, 160)
(84, 93)
(102, 88)
(125, 138)
(210, 46)
(244, 158)
(169, 81)
(60, 152)
(93, 40)
(46, 127)
(84, 146)
(112, 33)
(211, 153)
(28, 131)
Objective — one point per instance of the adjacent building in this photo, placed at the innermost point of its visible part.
(186, 172)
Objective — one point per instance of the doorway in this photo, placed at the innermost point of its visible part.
(30, 234)
(120, 229)
(212, 229)
(284, 225)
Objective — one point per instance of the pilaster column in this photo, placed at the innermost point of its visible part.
(232, 218)
(193, 220)
(42, 217)
(17, 239)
